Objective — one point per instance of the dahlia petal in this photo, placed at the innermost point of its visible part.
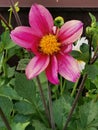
(40, 20)
(52, 71)
(23, 36)
(68, 67)
(66, 48)
(70, 31)
(36, 66)
(54, 29)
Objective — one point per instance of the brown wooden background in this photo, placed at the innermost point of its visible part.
(54, 3)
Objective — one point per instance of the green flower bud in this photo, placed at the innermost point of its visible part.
(93, 25)
(58, 21)
(90, 31)
(93, 18)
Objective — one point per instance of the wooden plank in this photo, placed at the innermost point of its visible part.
(54, 3)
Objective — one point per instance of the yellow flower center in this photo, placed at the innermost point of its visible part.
(49, 44)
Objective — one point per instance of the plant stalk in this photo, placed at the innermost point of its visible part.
(74, 88)
(50, 108)
(90, 49)
(95, 56)
(43, 99)
(6, 23)
(94, 59)
(5, 119)
(75, 101)
(15, 13)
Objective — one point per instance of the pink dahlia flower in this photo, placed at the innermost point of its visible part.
(51, 46)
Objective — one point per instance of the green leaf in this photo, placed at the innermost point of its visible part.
(83, 115)
(58, 113)
(83, 55)
(76, 54)
(92, 71)
(87, 84)
(61, 108)
(9, 92)
(88, 114)
(94, 123)
(92, 128)
(14, 52)
(19, 126)
(73, 125)
(84, 48)
(95, 39)
(95, 81)
(93, 111)
(85, 52)
(25, 88)
(29, 127)
(22, 64)
(6, 41)
(10, 71)
(39, 126)
(2, 125)
(24, 107)
(10, 45)
(6, 105)
(20, 118)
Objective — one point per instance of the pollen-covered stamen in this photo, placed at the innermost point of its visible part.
(49, 44)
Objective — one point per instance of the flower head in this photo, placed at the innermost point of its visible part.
(50, 46)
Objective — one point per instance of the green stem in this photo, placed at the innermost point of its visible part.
(43, 98)
(50, 108)
(90, 48)
(10, 16)
(94, 57)
(4, 63)
(1, 61)
(95, 53)
(6, 23)
(61, 86)
(15, 13)
(5, 120)
(74, 88)
(4, 68)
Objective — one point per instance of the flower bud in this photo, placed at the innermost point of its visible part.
(58, 21)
